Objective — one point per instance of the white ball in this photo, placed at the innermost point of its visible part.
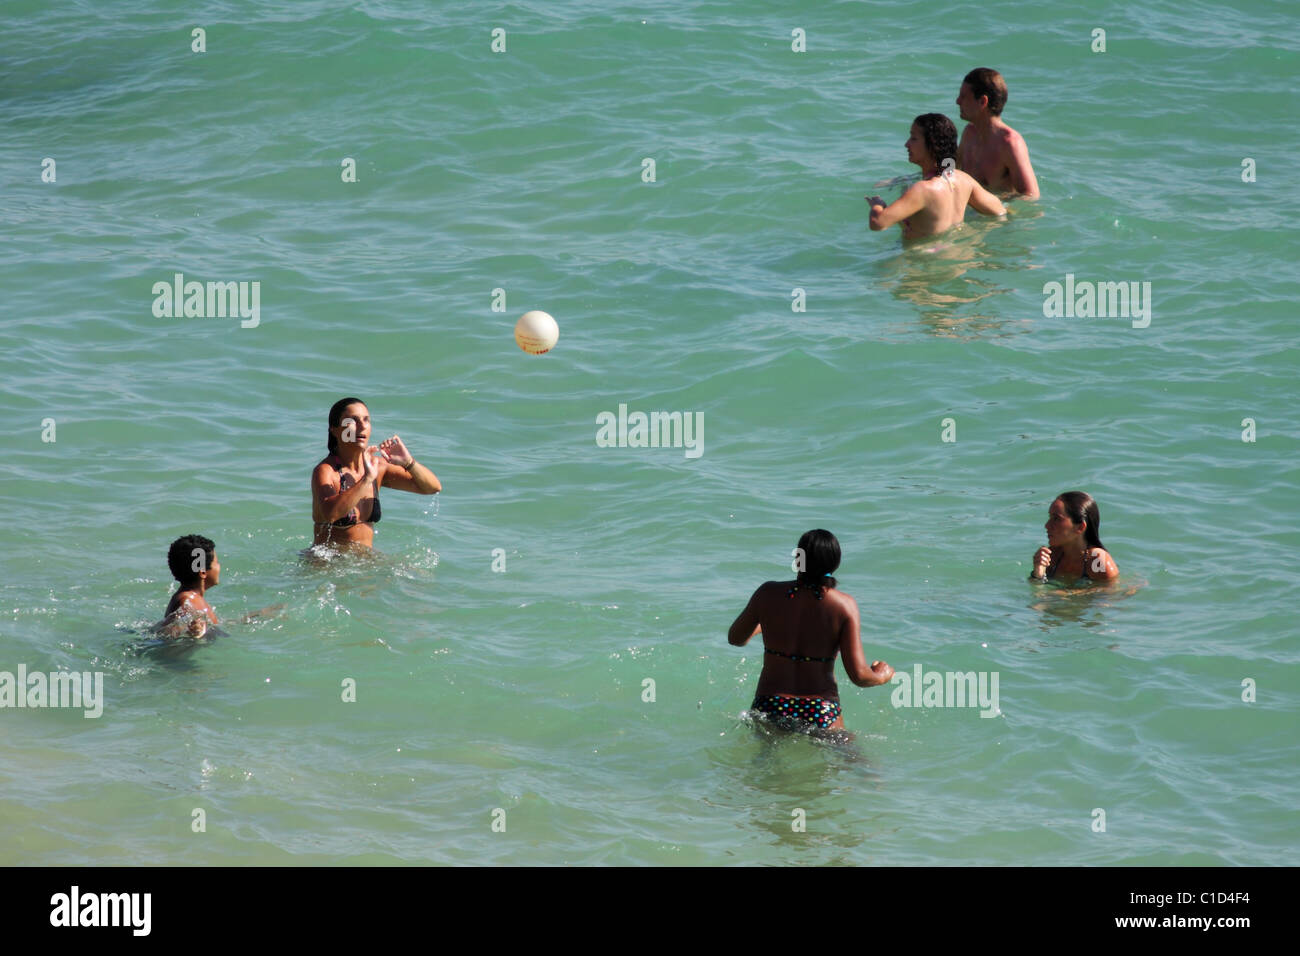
(536, 332)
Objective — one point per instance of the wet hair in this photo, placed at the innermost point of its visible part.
(336, 419)
(986, 82)
(940, 137)
(1080, 507)
(821, 554)
(180, 557)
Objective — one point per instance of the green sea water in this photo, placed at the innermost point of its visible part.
(519, 695)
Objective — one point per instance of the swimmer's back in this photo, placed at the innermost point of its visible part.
(802, 636)
(945, 197)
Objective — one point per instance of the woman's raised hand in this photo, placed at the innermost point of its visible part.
(1042, 561)
(396, 451)
(371, 464)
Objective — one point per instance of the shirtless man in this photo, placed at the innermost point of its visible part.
(193, 563)
(990, 150)
(938, 202)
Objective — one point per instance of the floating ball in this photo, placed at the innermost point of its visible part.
(536, 332)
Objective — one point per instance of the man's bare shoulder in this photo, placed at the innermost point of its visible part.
(1009, 138)
(185, 602)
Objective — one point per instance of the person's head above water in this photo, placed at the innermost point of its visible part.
(1074, 513)
(341, 411)
(821, 556)
(190, 557)
(982, 82)
(933, 139)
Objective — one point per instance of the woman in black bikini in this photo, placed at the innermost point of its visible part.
(1074, 550)
(345, 485)
(805, 622)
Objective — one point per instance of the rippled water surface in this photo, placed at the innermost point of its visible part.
(523, 690)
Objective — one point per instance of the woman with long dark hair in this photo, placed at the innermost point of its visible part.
(1074, 550)
(345, 484)
(805, 623)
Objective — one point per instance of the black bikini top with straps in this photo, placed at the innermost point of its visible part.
(352, 517)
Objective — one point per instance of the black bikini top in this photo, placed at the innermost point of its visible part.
(375, 511)
(799, 657)
(820, 592)
(1051, 568)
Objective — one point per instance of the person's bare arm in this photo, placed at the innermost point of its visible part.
(403, 472)
(1022, 173)
(910, 203)
(981, 200)
(855, 662)
(746, 625)
(272, 611)
(420, 481)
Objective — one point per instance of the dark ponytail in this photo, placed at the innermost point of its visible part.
(821, 554)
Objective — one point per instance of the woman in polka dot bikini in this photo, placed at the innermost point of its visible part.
(805, 622)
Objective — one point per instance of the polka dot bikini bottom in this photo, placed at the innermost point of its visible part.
(811, 710)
